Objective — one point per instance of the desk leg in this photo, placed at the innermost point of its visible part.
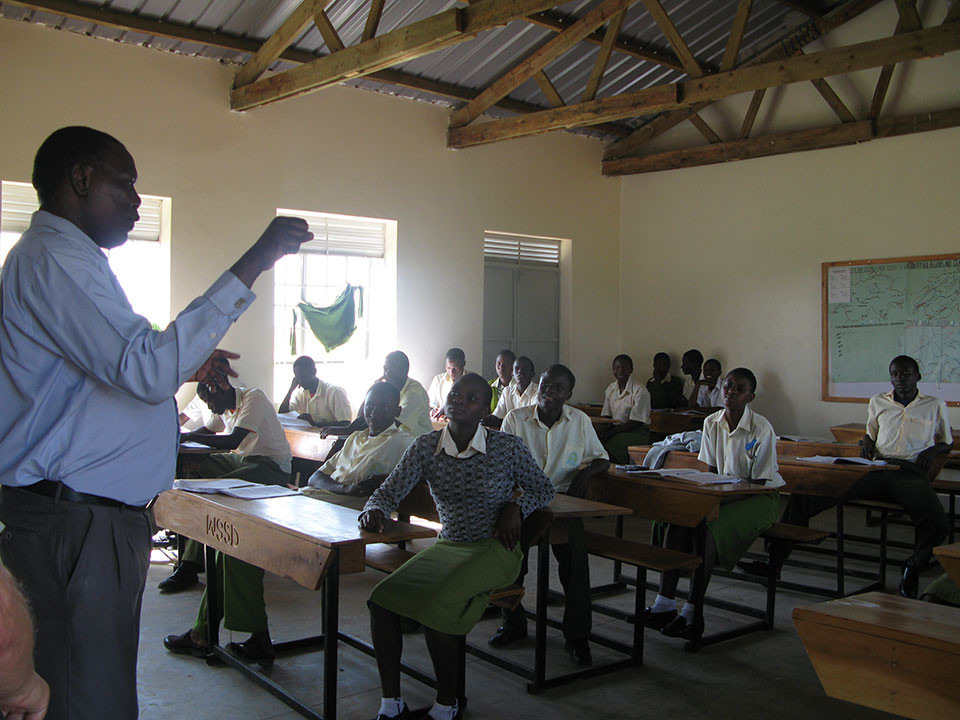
(543, 589)
(213, 599)
(699, 547)
(840, 550)
(331, 608)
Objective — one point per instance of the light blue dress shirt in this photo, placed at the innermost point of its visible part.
(86, 386)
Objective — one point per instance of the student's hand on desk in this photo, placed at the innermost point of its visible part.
(868, 448)
(306, 416)
(507, 529)
(581, 482)
(30, 703)
(216, 371)
(372, 520)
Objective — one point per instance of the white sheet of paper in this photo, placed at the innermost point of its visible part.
(259, 492)
(838, 284)
(290, 420)
(209, 486)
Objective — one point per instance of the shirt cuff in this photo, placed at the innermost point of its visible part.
(229, 295)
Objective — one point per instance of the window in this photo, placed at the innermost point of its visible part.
(142, 264)
(345, 249)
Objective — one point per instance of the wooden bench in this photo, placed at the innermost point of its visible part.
(949, 557)
(886, 652)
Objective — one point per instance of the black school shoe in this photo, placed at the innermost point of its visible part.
(505, 636)
(657, 620)
(183, 578)
(404, 715)
(253, 650)
(680, 628)
(760, 568)
(579, 651)
(184, 645)
(910, 582)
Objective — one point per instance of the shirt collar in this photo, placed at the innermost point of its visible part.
(42, 218)
(564, 416)
(386, 433)
(627, 387)
(891, 398)
(746, 421)
(478, 444)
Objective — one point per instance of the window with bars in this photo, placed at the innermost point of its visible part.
(142, 264)
(345, 250)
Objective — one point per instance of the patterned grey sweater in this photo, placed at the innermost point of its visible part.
(469, 492)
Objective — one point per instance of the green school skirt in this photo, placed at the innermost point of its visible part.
(740, 523)
(616, 446)
(447, 586)
(944, 589)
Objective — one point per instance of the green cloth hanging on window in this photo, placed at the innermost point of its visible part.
(334, 325)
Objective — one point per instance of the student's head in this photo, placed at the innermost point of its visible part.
(505, 360)
(556, 387)
(219, 400)
(381, 406)
(661, 365)
(711, 370)
(691, 362)
(88, 176)
(622, 367)
(739, 388)
(395, 368)
(523, 371)
(904, 374)
(468, 401)
(305, 370)
(456, 362)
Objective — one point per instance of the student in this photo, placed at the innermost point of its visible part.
(521, 392)
(195, 415)
(258, 452)
(564, 444)
(368, 455)
(414, 404)
(666, 390)
(708, 393)
(736, 441)
(440, 385)
(908, 429)
(317, 402)
(505, 360)
(628, 403)
(691, 365)
(472, 473)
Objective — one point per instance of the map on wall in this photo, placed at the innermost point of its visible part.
(874, 310)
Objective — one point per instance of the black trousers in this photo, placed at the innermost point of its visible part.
(908, 486)
(573, 566)
(82, 568)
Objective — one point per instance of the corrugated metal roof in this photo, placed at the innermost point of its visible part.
(474, 64)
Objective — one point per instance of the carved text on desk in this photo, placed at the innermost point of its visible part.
(223, 531)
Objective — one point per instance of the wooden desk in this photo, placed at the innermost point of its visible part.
(669, 422)
(307, 540)
(854, 432)
(306, 443)
(590, 409)
(886, 652)
(949, 557)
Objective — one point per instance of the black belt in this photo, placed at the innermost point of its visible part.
(60, 492)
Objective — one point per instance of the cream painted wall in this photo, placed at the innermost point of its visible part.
(727, 258)
(342, 150)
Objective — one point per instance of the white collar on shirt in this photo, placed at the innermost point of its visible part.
(478, 444)
(628, 387)
(746, 421)
(564, 416)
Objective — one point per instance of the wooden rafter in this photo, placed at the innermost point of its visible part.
(786, 47)
(373, 19)
(680, 47)
(548, 89)
(603, 57)
(737, 30)
(406, 43)
(538, 60)
(751, 115)
(861, 56)
(782, 143)
(700, 124)
(908, 21)
(328, 32)
(290, 29)
(833, 100)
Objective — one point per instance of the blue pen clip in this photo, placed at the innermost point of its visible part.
(750, 445)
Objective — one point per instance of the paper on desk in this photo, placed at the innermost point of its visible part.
(290, 420)
(209, 486)
(192, 444)
(803, 438)
(831, 460)
(258, 492)
(699, 478)
(641, 470)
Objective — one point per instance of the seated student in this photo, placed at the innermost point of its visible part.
(317, 402)
(691, 365)
(736, 441)
(195, 415)
(564, 444)
(440, 385)
(472, 474)
(368, 455)
(257, 452)
(505, 360)
(628, 403)
(708, 393)
(521, 392)
(414, 404)
(666, 390)
(908, 429)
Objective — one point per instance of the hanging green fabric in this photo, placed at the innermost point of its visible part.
(334, 325)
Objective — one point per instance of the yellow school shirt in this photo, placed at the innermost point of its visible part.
(414, 409)
(631, 404)
(906, 431)
(748, 452)
(328, 404)
(512, 398)
(255, 413)
(362, 456)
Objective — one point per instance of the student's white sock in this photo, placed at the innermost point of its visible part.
(688, 610)
(391, 707)
(663, 604)
(443, 712)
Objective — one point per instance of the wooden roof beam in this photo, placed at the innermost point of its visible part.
(851, 58)
(746, 127)
(908, 21)
(669, 30)
(328, 32)
(538, 60)
(406, 43)
(603, 57)
(783, 143)
(737, 29)
(373, 19)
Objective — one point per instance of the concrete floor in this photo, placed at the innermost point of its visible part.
(761, 675)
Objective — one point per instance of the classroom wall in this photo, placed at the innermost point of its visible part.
(727, 258)
(342, 150)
